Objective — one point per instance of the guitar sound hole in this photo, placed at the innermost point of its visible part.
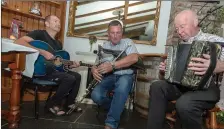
(57, 61)
(65, 67)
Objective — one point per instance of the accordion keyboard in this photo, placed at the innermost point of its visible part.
(170, 64)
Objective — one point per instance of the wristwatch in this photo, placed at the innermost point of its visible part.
(113, 66)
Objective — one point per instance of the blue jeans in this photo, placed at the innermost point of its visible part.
(121, 84)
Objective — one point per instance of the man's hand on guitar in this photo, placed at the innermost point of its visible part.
(200, 65)
(75, 64)
(105, 68)
(47, 55)
(96, 74)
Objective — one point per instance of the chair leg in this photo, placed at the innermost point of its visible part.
(213, 120)
(133, 100)
(48, 97)
(129, 108)
(36, 105)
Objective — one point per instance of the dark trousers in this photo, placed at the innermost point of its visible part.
(190, 105)
(68, 85)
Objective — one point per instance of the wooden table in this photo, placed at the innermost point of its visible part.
(16, 63)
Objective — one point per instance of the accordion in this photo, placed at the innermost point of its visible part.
(178, 58)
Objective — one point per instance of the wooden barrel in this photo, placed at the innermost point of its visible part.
(145, 79)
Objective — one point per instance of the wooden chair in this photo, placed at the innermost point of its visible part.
(211, 121)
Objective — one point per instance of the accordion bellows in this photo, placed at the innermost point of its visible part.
(178, 58)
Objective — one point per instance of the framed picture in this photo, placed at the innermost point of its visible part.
(14, 32)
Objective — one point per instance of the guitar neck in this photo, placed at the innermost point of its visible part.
(84, 64)
(67, 62)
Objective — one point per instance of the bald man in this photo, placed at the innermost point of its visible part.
(190, 105)
(68, 82)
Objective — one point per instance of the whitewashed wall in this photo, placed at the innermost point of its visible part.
(73, 44)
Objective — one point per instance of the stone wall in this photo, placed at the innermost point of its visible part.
(201, 8)
(145, 79)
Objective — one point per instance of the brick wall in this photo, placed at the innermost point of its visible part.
(144, 81)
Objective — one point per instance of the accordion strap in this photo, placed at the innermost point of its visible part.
(213, 61)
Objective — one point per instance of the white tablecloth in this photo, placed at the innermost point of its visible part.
(32, 54)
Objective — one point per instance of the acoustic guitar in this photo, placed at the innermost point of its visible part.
(60, 61)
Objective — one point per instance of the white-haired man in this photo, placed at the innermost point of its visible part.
(190, 105)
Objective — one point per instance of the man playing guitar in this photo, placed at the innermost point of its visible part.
(69, 82)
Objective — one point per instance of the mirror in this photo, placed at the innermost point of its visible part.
(140, 19)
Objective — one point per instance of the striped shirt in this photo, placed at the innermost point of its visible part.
(127, 44)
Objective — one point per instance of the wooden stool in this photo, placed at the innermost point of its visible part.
(211, 121)
(171, 117)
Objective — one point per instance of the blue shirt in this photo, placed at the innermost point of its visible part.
(124, 43)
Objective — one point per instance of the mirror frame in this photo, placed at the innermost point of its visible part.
(71, 25)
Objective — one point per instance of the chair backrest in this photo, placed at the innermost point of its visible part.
(135, 74)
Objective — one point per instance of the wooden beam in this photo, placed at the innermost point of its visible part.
(107, 10)
(129, 33)
(98, 12)
(91, 29)
(143, 11)
(85, 2)
(93, 22)
(125, 28)
(126, 9)
(99, 33)
(138, 3)
(112, 18)
(140, 19)
(104, 26)
(135, 32)
(137, 24)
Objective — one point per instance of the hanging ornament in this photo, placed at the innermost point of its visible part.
(4, 2)
(92, 40)
(35, 9)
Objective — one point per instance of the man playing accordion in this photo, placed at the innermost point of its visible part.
(190, 104)
(116, 76)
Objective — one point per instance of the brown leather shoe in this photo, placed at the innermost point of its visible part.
(107, 127)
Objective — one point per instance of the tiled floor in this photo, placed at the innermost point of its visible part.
(85, 120)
